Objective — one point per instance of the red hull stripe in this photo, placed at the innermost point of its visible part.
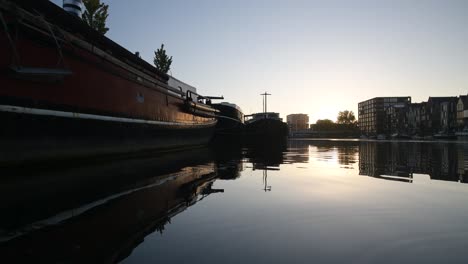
(46, 112)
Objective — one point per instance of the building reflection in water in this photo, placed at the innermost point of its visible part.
(400, 161)
(297, 152)
(345, 153)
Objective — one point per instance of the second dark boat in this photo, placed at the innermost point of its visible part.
(267, 126)
(230, 120)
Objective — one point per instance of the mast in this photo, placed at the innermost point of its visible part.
(265, 101)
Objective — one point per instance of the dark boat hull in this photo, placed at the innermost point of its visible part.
(266, 129)
(29, 138)
(230, 121)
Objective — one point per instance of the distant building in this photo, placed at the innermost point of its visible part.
(397, 122)
(440, 114)
(414, 117)
(448, 116)
(373, 114)
(298, 121)
(462, 112)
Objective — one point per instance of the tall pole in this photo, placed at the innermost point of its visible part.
(263, 104)
(265, 101)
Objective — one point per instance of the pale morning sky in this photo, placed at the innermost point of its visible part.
(314, 57)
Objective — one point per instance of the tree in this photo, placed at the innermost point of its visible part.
(96, 15)
(324, 125)
(161, 60)
(346, 117)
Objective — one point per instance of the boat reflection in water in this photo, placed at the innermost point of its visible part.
(100, 213)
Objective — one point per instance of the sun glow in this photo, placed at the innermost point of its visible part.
(325, 113)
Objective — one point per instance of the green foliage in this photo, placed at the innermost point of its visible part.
(324, 122)
(96, 15)
(161, 60)
(346, 117)
(328, 125)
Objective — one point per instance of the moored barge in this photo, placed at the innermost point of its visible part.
(265, 126)
(68, 91)
(230, 120)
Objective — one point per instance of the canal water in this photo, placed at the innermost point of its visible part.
(305, 201)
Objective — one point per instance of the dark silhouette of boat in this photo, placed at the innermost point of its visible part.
(230, 120)
(68, 91)
(265, 127)
(268, 126)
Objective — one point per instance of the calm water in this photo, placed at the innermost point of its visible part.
(307, 202)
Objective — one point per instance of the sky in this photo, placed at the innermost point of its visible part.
(314, 57)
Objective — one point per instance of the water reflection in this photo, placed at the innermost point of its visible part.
(400, 161)
(266, 158)
(228, 157)
(263, 157)
(346, 151)
(298, 152)
(102, 212)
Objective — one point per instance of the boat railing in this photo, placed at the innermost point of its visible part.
(194, 96)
